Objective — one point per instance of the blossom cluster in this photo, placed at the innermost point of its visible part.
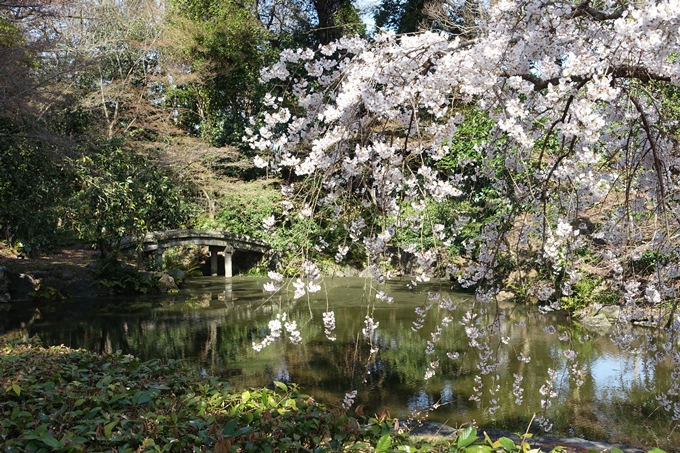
(275, 326)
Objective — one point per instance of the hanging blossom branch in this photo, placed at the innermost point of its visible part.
(275, 331)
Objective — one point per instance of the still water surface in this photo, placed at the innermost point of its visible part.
(211, 325)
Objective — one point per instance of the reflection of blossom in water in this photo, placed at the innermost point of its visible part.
(349, 399)
(370, 328)
(419, 401)
(329, 324)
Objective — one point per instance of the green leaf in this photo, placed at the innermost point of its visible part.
(616, 450)
(656, 450)
(384, 443)
(142, 397)
(93, 412)
(36, 433)
(229, 428)
(106, 380)
(281, 385)
(108, 428)
(49, 440)
(507, 444)
(478, 449)
(466, 437)
(242, 431)
(245, 397)
(16, 389)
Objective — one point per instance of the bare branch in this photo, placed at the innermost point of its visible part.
(658, 165)
(455, 17)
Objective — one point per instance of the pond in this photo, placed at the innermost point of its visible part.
(212, 325)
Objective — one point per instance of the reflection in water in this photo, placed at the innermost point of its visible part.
(447, 394)
(420, 401)
(281, 375)
(616, 372)
(213, 325)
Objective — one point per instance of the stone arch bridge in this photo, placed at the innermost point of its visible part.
(217, 241)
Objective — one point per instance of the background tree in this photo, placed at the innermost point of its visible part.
(77, 76)
(120, 193)
(458, 17)
(407, 16)
(116, 45)
(336, 18)
(219, 48)
(289, 22)
(401, 16)
(31, 150)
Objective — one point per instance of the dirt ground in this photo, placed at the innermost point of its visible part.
(71, 257)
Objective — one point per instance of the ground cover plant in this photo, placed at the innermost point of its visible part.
(57, 399)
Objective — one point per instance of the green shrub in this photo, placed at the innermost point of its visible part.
(243, 209)
(123, 278)
(588, 292)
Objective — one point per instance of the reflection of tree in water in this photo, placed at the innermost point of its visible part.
(281, 374)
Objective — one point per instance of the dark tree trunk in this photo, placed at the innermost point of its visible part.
(326, 11)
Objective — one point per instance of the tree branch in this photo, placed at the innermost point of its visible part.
(658, 165)
(584, 9)
(620, 72)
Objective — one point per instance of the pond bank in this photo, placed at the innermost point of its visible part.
(71, 273)
(546, 443)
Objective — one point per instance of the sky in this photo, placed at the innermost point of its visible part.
(366, 7)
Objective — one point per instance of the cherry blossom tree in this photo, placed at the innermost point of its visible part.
(576, 94)
(582, 152)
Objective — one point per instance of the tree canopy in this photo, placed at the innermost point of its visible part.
(581, 135)
(83, 84)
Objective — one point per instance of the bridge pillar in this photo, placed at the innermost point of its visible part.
(213, 259)
(159, 257)
(228, 250)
